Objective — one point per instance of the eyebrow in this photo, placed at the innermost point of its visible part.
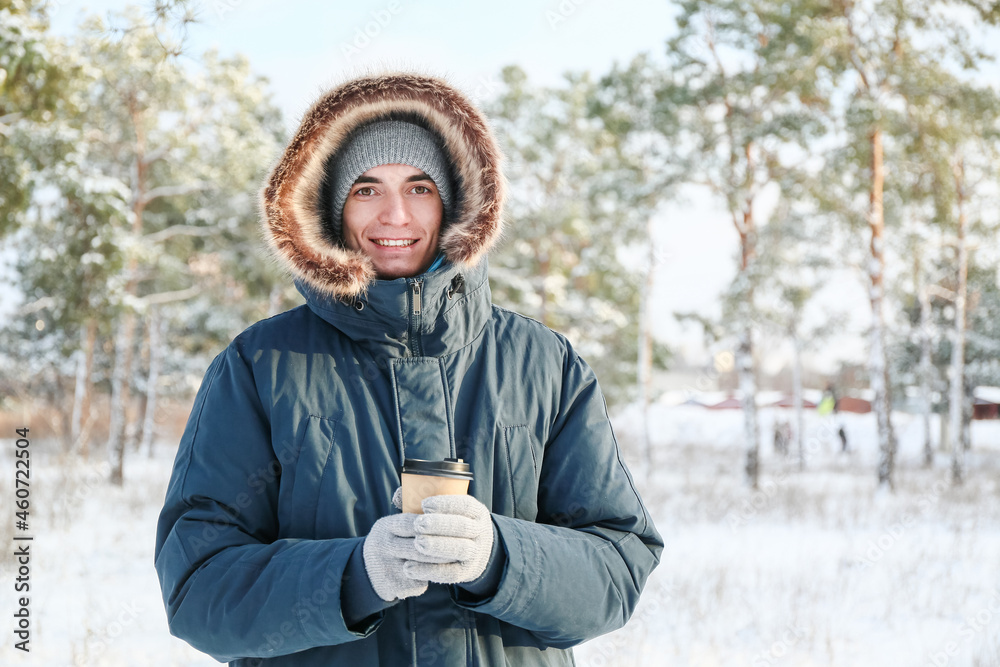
(416, 177)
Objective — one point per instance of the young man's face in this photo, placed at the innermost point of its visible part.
(393, 215)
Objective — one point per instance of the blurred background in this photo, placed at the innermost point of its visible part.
(771, 227)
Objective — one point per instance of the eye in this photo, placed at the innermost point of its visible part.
(421, 190)
(365, 191)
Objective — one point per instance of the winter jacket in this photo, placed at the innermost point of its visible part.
(295, 441)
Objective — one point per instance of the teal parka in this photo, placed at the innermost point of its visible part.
(296, 438)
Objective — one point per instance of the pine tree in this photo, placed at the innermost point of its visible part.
(883, 52)
(562, 266)
(35, 79)
(642, 175)
(160, 163)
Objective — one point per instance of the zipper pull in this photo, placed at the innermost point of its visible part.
(416, 297)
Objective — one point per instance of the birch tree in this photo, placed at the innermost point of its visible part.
(959, 132)
(747, 80)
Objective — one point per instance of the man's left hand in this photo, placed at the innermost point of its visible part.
(457, 529)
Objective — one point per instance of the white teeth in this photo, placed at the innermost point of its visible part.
(394, 243)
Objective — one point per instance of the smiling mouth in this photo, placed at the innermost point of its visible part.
(394, 243)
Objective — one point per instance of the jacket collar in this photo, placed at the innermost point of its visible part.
(454, 305)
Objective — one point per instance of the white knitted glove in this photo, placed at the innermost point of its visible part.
(455, 531)
(387, 547)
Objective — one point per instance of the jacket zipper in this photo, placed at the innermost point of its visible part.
(416, 349)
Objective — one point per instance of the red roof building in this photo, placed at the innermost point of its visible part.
(853, 404)
(789, 402)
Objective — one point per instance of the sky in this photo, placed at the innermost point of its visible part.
(303, 48)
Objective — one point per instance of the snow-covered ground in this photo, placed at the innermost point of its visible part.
(814, 568)
(95, 599)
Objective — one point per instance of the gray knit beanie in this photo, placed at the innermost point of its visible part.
(387, 142)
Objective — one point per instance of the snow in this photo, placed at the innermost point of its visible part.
(815, 568)
(991, 394)
(94, 594)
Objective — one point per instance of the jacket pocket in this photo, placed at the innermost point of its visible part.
(515, 483)
(303, 469)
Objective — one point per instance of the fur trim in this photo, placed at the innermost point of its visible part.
(292, 202)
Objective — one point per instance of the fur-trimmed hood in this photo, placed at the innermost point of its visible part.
(293, 205)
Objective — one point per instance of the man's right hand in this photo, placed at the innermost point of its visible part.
(388, 545)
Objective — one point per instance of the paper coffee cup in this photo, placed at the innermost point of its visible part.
(423, 479)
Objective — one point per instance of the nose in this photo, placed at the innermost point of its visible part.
(395, 210)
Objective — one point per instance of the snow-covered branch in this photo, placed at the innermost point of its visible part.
(943, 292)
(35, 306)
(179, 230)
(172, 191)
(168, 297)
(154, 155)
(6, 120)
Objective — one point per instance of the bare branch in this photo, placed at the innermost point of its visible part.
(853, 50)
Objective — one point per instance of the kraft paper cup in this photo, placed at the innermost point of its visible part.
(423, 479)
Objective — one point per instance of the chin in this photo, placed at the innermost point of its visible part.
(394, 273)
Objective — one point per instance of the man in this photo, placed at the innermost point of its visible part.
(279, 542)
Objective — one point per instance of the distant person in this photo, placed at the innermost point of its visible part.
(829, 405)
(782, 437)
(279, 542)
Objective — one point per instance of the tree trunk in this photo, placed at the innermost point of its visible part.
(120, 388)
(926, 367)
(943, 444)
(957, 371)
(120, 396)
(745, 225)
(645, 365)
(81, 393)
(155, 359)
(748, 388)
(135, 431)
(797, 398)
(65, 416)
(968, 409)
(877, 363)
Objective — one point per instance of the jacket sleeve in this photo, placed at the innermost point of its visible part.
(231, 588)
(578, 570)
